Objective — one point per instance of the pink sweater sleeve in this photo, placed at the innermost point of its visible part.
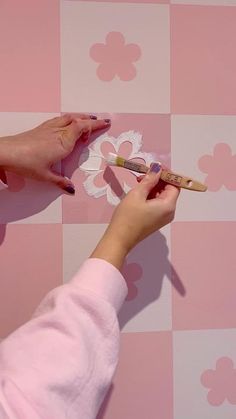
(61, 363)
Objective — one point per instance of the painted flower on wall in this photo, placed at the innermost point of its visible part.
(221, 382)
(110, 181)
(132, 273)
(220, 168)
(115, 58)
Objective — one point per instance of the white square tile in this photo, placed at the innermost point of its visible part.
(148, 307)
(193, 137)
(194, 353)
(79, 240)
(146, 26)
(206, 2)
(147, 271)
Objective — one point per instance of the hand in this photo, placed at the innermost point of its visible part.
(33, 153)
(137, 217)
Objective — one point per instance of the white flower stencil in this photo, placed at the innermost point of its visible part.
(94, 158)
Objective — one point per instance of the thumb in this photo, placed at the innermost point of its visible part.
(150, 180)
(62, 182)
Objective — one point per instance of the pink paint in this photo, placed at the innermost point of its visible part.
(203, 61)
(221, 382)
(203, 255)
(221, 168)
(143, 382)
(31, 260)
(30, 56)
(116, 58)
(132, 272)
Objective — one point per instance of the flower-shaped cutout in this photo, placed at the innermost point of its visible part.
(220, 167)
(112, 182)
(221, 382)
(132, 272)
(115, 58)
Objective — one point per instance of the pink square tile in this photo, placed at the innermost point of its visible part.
(203, 70)
(129, 1)
(204, 357)
(82, 208)
(203, 254)
(148, 304)
(30, 52)
(143, 381)
(115, 65)
(31, 265)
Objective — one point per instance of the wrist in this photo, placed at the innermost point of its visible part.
(4, 152)
(111, 250)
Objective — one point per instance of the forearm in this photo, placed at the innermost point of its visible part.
(5, 146)
(111, 250)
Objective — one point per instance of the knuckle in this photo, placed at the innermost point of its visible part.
(64, 140)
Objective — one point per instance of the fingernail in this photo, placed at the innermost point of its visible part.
(108, 121)
(70, 189)
(155, 168)
(93, 117)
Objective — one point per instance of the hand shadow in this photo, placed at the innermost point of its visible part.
(26, 197)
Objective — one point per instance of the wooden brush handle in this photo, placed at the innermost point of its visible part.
(182, 181)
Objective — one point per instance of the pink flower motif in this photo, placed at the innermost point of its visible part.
(132, 272)
(112, 182)
(221, 168)
(221, 382)
(115, 58)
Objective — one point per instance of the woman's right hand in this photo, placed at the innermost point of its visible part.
(137, 216)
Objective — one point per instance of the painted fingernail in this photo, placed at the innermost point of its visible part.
(108, 121)
(155, 168)
(93, 117)
(70, 189)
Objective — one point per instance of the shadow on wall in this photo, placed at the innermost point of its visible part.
(31, 199)
(152, 254)
(25, 197)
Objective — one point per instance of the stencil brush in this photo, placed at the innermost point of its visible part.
(166, 175)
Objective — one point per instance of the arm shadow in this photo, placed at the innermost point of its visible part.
(26, 197)
(152, 254)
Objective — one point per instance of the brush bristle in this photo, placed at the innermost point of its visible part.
(112, 159)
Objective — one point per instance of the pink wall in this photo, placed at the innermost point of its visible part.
(168, 73)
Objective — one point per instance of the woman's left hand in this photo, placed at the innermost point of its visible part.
(33, 153)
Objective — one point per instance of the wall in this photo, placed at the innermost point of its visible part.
(166, 75)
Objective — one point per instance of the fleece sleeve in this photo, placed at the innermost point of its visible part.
(60, 364)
